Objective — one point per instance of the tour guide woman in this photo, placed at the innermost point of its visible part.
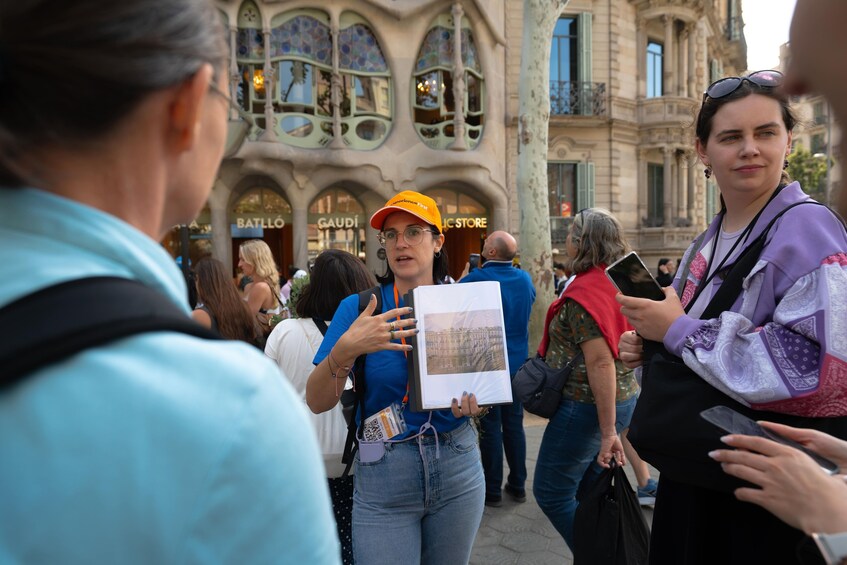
(780, 347)
(420, 499)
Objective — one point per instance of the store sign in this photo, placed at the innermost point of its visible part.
(466, 223)
(337, 223)
(259, 222)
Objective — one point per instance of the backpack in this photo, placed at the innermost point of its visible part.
(56, 322)
(354, 399)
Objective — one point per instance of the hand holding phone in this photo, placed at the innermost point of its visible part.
(473, 261)
(731, 421)
(632, 278)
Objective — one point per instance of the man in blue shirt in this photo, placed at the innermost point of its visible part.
(502, 427)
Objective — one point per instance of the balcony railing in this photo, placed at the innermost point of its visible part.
(578, 98)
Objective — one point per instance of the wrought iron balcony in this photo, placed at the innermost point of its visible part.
(577, 98)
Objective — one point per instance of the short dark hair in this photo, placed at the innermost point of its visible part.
(664, 261)
(100, 58)
(558, 265)
(336, 275)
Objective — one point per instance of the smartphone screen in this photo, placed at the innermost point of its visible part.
(473, 261)
(632, 278)
(731, 421)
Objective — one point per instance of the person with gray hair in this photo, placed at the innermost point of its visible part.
(158, 447)
(600, 395)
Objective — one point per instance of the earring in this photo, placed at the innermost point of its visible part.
(438, 254)
(707, 172)
(785, 164)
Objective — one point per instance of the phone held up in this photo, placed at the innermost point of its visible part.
(473, 261)
(632, 278)
(731, 421)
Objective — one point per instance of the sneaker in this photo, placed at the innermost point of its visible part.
(518, 494)
(647, 493)
(493, 500)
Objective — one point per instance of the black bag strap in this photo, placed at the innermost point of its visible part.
(731, 287)
(321, 325)
(351, 444)
(55, 322)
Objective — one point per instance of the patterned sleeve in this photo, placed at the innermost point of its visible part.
(796, 362)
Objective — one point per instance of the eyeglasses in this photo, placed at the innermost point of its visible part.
(728, 85)
(231, 103)
(413, 235)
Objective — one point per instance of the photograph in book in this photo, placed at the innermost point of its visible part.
(461, 346)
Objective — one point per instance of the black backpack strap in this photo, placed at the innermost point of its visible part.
(58, 321)
(731, 286)
(351, 444)
(321, 326)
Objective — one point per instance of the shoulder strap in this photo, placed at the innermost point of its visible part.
(56, 322)
(321, 325)
(730, 289)
(351, 444)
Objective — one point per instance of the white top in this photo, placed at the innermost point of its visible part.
(293, 344)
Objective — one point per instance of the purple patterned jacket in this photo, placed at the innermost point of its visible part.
(783, 345)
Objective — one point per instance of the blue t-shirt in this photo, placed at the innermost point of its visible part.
(386, 372)
(517, 295)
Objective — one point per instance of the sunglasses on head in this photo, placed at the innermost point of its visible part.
(728, 85)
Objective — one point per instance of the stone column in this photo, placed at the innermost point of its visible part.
(641, 49)
(643, 196)
(667, 187)
(234, 77)
(682, 72)
(692, 160)
(336, 84)
(668, 59)
(221, 236)
(269, 134)
(299, 231)
(692, 49)
(459, 143)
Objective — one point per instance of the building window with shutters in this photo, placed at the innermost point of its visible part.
(571, 89)
(570, 188)
(655, 195)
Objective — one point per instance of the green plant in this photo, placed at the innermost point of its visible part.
(297, 286)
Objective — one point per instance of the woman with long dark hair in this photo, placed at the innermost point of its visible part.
(220, 307)
(293, 344)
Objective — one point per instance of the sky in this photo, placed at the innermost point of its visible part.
(766, 24)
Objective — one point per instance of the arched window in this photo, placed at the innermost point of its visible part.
(336, 221)
(366, 99)
(301, 56)
(433, 97)
(250, 57)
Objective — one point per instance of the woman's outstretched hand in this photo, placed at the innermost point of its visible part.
(651, 318)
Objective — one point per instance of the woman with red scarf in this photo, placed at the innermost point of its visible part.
(600, 395)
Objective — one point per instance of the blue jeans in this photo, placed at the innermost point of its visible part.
(411, 507)
(502, 428)
(566, 460)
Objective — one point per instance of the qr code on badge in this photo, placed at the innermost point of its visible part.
(372, 431)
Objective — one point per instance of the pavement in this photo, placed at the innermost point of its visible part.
(519, 533)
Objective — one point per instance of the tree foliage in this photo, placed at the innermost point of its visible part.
(810, 171)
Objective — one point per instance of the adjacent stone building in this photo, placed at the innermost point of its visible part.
(351, 101)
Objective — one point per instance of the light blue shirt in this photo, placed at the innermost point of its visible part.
(158, 448)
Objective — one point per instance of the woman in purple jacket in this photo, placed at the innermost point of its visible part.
(781, 347)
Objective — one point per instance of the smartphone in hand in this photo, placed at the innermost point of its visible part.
(632, 278)
(731, 421)
(473, 261)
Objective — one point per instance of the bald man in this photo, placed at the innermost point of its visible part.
(502, 427)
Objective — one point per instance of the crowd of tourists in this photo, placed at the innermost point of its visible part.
(273, 423)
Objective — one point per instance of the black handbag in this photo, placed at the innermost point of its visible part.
(539, 387)
(667, 430)
(609, 528)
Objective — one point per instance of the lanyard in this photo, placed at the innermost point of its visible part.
(403, 341)
(743, 237)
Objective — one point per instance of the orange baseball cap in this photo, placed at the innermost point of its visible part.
(412, 202)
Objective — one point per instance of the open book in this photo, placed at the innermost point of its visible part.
(461, 346)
